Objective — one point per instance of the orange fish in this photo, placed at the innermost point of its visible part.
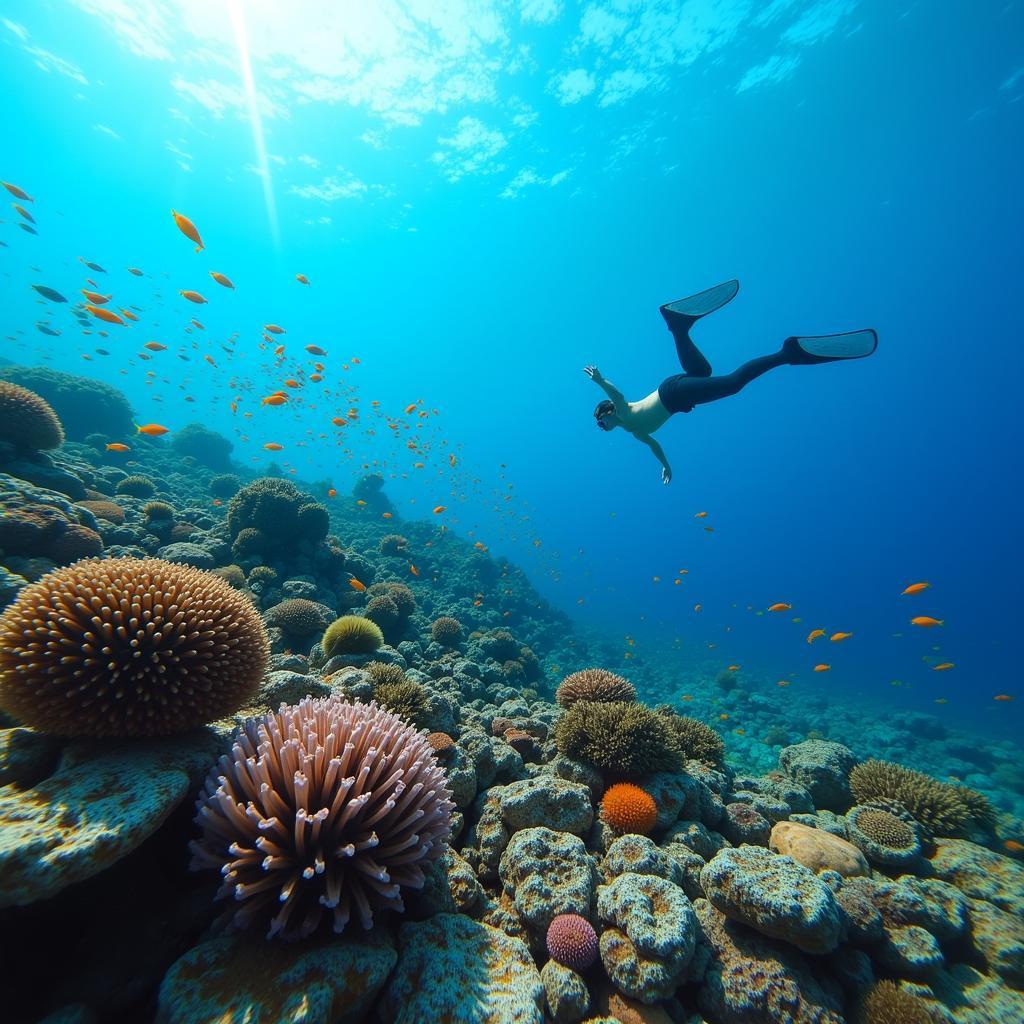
(385, 515)
(339, 422)
(780, 606)
(290, 383)
(17, 192)
(926, 620)
(302, 279)
(155, 346)
(217, 502)
(411, 407)
(822, 668)
(96, 298)
(687, 697)
(222, 279)
(438, 509)
(414, 570)
(723, 717)
(273, 446)
(274, 329)
(733, 668)
(274, 399)
(188, 229)
(356, 585)
(360, 502)
(192, 296)
(315, 350)
(945, 666)
(195, 323)
(699, 515)
(152, 430)
(783, 682)
(118, 447)
(315, 378)
(915, 588)
(1013, 846)
(941, 700)
(209, 359)
(105, 314)
(135, 271)
(331, 492)
(1002, 696)
(836, 637)
(814, 634)
(128, 314)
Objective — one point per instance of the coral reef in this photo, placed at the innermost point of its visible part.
(316, 842)
(594, 684)
(128, 647)
(204, 445)
(26, 420)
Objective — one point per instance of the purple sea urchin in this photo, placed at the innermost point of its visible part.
(322, 808)
(572, 941)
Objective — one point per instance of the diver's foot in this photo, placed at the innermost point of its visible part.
(684, 312)
(827, 348)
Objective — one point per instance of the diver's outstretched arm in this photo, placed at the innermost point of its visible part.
(659, 454)
(618, 399)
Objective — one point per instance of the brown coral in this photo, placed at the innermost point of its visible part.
(128, 647)
(940, 807)
(324, 809)
(594, 684)
(102, 509)
(887, 1003)
(26, 420)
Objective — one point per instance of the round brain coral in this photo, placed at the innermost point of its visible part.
(136, 486)
(351, 634)
(102, 509)
(128, 647)
(299, 617)
(572, 941)
(446, 630)
(594, 684)
(628, 808)
(26, 420)
(325, 808)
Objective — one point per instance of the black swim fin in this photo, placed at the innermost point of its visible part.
(827, 348)
(684, 312)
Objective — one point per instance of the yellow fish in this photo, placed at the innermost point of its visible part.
(814, 634)
(836, 637)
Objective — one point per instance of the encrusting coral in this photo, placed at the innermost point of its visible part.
(324, 808)
(28, 420)
(594, 684)
(128, 647)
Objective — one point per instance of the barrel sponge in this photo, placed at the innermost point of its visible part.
(619, 738)
(351, 634)
(596, 684)
(27, 420)
(128, 647)
(629, 809)
(297, 844)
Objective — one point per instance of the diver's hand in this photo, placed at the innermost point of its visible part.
(666, 475)
(593, 373)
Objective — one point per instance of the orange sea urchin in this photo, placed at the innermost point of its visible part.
(628, 808)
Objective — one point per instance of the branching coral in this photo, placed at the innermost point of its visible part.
(619, 738)
(323, 809)
(128, 647)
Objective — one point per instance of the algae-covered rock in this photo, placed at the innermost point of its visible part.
(751, 979)
(639, 855)
(775, 896)
(823, 768)
(651, 937)
(547, 873)
(453, 968)
(981, 873)
(99, 803)
(245, 978)
(547, 800)
(566, 992)
(999, 938)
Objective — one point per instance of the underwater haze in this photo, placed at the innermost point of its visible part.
(381, 241)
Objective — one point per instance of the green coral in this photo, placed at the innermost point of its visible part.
(696, 740)
(406, 699)
(351, 634)
(619, 738)
(136, 486)
(381, 672)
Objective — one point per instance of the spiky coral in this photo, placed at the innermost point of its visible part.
(619, 738)
(696, 740)
(594, 684)
(326, 808)
(136, 486)
(628, 808)
(943, 809)
(887, 1003)
(381, 672)
(405, 699)
(351, 634)
(299, 617)
(446, 630)
(128, 647)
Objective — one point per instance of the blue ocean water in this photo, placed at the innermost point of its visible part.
(487, 197)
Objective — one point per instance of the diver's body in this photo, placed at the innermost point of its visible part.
(696, 385)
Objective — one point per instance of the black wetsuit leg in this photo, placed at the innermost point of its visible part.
(683, 391)
(691, 359)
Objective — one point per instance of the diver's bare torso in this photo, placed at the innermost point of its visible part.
(643, 418)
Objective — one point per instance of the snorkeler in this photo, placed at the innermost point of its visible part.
(696, 386)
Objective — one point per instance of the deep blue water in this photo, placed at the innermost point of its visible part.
(489, 197)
